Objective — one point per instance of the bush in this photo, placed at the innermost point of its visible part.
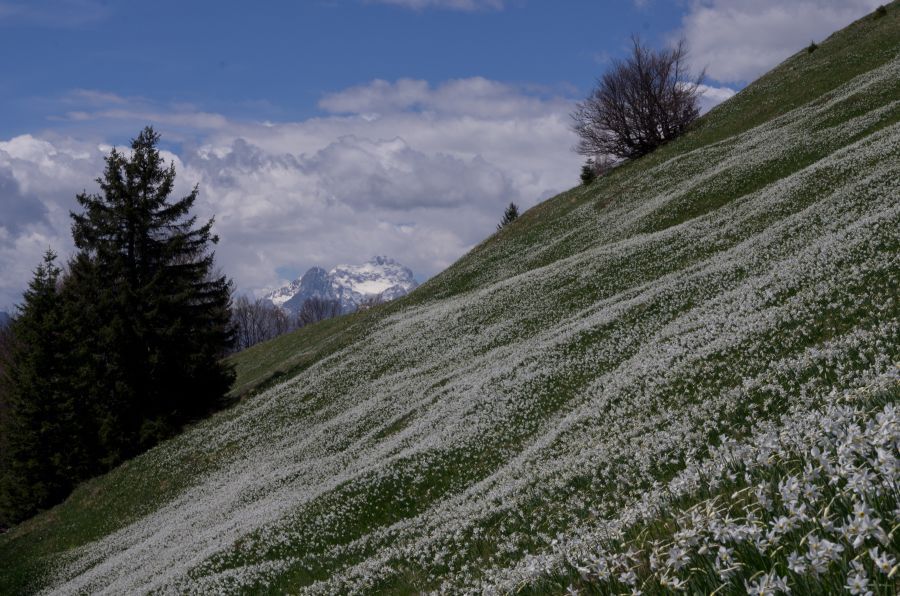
(881, 11)
(639, 104)
(812, 47)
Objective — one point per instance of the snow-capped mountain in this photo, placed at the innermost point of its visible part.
(350, 284)
(283, 294)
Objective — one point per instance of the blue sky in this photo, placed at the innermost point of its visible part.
(277, 59)
(325, 132)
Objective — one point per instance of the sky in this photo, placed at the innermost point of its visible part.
(324, 132)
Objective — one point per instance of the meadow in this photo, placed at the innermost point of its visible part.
(683, 376)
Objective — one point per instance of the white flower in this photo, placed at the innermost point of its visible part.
(767, 584)
(858, 584)
(822, 552)
(678, 558)
(796, 564)
(671, 582)
(790, 489)
(628, 578)
(725, 564)
(883, 561)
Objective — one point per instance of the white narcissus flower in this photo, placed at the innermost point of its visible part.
(883, 561)
(858, 584)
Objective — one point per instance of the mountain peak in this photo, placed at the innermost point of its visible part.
(380, 276)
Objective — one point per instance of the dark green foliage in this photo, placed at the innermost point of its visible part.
(160, 326)
(41, 460)
(588, 173)
(881, 11)
(104, 362)
(511, 213)
(812, 47)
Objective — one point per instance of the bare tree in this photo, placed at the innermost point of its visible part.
(317, 309)
(640, 103)
(370, 301)
(257, 321)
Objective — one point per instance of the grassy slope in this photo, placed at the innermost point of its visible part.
(463, 420)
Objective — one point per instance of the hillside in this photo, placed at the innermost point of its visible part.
(580, 379)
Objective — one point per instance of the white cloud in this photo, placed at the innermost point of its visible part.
(710, 97)
(476, 96)
(38, 183)
(417, 171)
(423, 181)
(738, 40)
(53, 13)
(464, 5)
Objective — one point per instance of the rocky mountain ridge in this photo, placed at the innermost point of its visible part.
(380, 277)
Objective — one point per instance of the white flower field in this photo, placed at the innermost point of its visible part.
(684, 376)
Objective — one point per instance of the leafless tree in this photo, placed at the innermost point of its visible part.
(257, 321)
(317, 309)
(640, 103)
(370, 301)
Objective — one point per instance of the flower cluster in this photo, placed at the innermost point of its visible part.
(815, 521)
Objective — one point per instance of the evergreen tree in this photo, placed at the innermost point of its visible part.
(154, 314)
(511, 213)
(42, 455)
(588, 172)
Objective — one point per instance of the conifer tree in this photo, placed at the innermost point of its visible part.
(143, 288)
(42, 456)
(511, 213)
(588, 172)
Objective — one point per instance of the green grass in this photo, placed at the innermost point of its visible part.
(510, 398)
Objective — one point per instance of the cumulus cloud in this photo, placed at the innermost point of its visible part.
(710, 96)
(738, 41)
(417, 171)
(38, 183)
(464, 5)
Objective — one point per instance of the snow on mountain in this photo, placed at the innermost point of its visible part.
(350, 284)
(283, 294)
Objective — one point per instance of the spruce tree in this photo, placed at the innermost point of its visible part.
(511, 213)
(42, 455)
(145, 292)
(588, 172)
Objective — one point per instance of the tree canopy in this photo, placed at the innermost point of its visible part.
(638, 104)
